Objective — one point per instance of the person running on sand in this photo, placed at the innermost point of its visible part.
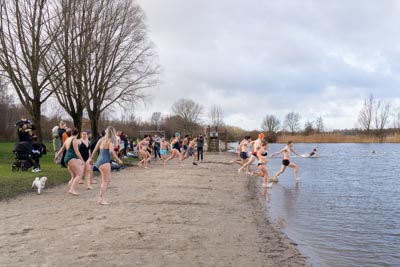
(243, 152)
(143, 150)
(190, 151)
(106, 146)
(253, 156)
(184, 146)
(286, 160)
(163, 149)
(176, 149)
(73, 159)
(262, 163)
(238, 159)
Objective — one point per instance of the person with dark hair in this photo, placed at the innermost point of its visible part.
(200, 145)
(22, 121)
(63, 136)
(38, 150)
(313, 153)
(163, 149)
(124, 144)
(157, 144)
(24, 129)
(261, 151)
(73, 159)
(253, 155)
(238, 150)
(24, 133)
(286, 160)
(190, 151)
(175, 149)
(84, 149)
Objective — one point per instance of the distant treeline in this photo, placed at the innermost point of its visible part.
(340, 137)
(173, 123)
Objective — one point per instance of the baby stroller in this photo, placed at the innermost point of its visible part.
(27, 155)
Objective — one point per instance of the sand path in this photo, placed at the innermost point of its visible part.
(201, 215)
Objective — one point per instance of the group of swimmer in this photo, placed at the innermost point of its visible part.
(259, 152)
(181, 149)
(80, 160)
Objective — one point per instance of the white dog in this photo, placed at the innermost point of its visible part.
(39, 183)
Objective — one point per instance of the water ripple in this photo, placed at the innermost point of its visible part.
(345, 210)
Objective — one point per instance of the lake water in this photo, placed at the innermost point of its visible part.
(346, 209)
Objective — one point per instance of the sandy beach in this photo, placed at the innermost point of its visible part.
(203, 215)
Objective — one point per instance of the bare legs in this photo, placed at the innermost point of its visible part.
(76, 169)
(263, 172)
(88, 175)
(105, 171)
(295, 170)
(247, 165)
(145, 159)
(175, 154)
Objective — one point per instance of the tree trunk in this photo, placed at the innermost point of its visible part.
(36, 119)
(94, 125)
(77, 119)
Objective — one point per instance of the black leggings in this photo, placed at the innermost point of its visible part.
(199, 152)
(157, 152)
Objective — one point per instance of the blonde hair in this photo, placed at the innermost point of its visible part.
(110, 135)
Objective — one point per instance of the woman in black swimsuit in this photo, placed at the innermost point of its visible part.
(176, 149)
(86, 155)
(262, 163)
(313, 153)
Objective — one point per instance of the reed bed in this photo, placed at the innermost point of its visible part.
(338, 138)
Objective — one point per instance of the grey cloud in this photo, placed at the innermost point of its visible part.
(271, 57)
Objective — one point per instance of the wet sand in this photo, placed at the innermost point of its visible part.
(203, 215)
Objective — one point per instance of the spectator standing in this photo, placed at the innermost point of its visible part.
(64, 137)
(124, 143)
(200, 145)
(24, 129)
(56, 139)
(61, 130)
(157, 142)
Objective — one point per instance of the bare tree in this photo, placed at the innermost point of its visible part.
(292, 121)
(119, 63)
(396, 119)
(381, 117)
(309, 128)
(189, 112)
(24, 44)
(70, 48)
(319, 124)
(365, 116)
(270, 124)
(216, 117)
(8, 114)
(156, 120)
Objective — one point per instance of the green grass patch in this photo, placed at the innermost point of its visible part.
(15, 183)
(19, 182)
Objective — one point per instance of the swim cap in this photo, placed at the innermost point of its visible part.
(261, 136)
(177, 134)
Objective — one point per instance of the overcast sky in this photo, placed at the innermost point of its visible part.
(257, 57)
